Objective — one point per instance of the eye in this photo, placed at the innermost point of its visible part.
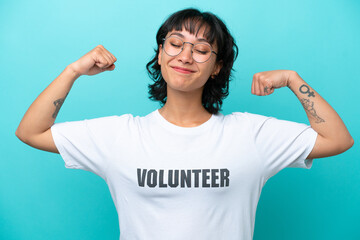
(175, 45)
(201, 49)
(174, 42)
(201, 52)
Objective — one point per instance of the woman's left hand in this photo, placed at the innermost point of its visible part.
(264, 83)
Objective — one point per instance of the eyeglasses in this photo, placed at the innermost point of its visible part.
(200, 52)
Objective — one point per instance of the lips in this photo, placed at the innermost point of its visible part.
(183, 70)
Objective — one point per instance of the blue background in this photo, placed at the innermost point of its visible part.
(41, 199)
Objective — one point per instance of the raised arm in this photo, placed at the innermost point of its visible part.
(34, 128)
(333, 136)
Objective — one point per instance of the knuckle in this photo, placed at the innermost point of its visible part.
(97, 50)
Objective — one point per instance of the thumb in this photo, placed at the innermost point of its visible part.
(110, 68)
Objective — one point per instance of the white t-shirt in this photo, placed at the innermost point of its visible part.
(174, 183)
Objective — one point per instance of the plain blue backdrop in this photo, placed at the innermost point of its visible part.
(41, 199)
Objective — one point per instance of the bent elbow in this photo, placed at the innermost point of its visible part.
(21, 137)
(17, 134)
(351, 143)
(347, 145)
(330, 147)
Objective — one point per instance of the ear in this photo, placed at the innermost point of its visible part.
(160, 52)
(218, 67)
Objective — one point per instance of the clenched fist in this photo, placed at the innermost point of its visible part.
(96, 61)
(264, 83)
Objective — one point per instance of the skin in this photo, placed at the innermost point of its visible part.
(333, 136)
(58, 103)
(183, 106)
(184, 90)
(34, 128)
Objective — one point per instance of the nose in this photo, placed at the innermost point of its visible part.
(186, 54)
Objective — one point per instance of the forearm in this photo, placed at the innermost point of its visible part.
(43, 111)
(322, 117)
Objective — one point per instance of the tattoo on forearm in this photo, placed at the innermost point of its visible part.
(58, 103)
(309, 106)
(306, 90)
(266, 89)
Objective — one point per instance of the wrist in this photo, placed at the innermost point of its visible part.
(71, 70)
(293, 77)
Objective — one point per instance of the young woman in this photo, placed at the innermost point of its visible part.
(186, 171)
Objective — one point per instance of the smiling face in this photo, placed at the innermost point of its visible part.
(181, 72)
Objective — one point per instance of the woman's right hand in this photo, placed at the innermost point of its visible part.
(96, 61)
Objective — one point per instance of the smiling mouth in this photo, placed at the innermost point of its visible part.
(183, 70)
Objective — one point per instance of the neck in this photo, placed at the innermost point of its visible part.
(184, 109)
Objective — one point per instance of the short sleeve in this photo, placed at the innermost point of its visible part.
(282, 143)
(86, 144)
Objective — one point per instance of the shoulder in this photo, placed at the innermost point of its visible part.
(258, 122)
(97, 124)
(246, 117)
(109, 120)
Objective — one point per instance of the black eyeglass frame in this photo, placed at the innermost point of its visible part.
(182, 48)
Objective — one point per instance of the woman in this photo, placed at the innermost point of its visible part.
(186, 171)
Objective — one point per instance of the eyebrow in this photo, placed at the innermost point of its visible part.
(182, 36)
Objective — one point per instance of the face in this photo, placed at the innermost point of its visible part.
(181, 72)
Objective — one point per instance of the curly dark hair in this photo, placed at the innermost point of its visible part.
(192, 20)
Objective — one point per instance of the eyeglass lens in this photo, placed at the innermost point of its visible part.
(201, 52)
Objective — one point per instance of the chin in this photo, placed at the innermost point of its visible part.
(183, 87)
